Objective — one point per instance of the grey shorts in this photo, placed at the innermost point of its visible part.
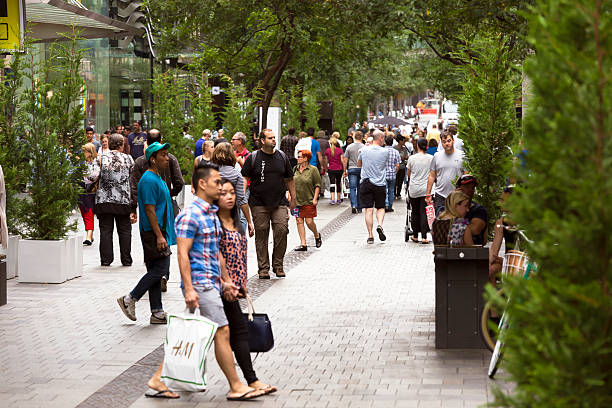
(211, 305)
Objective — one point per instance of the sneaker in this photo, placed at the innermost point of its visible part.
(164, 284)
(87, 242)
(390, 210)
(157, 320)
(280, 274)
(370, 240)
(301, 248)
(264, 275)
(381, 233)
(332, 202)
(128, 309)
(354, 210)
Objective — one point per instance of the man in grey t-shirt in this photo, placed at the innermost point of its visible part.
(352, 170)
(445, 168)
(372, 160)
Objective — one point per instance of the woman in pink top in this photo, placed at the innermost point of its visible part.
(335, 168)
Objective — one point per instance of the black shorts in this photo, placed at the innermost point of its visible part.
(371, 195)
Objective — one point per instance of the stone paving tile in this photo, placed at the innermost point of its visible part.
(74, 339)
(354, 327)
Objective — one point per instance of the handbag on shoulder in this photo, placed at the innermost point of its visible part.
(261, 338)
(149, 242)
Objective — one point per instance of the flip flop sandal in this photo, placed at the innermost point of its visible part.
(415, 239)
(244, 397)
(151, 393)
(270, 389)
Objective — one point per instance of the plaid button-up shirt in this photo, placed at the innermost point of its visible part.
(199, 222)
(393, 159)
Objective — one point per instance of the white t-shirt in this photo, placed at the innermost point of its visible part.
(419, 165)
(448, 168)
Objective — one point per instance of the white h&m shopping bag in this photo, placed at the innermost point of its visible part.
(188, 339)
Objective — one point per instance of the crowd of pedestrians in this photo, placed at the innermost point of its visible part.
(132, 177)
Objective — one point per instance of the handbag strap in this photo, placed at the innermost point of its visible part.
(250, 307)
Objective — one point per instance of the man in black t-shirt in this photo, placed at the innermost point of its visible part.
(270, 175)
(477, 215)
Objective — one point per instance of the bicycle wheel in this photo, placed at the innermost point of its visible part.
(495, 359)
(489, 321)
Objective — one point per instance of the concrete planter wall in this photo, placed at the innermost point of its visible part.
(12, 257)
(50, 261)
(3, 283)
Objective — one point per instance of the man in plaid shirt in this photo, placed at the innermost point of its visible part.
(393, 162)
(203, 275)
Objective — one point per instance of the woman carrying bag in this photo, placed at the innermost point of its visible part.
(87, 200)
(233, 247)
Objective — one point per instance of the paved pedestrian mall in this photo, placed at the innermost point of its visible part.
(353, 326)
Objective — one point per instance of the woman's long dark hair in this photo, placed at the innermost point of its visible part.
(233, 211)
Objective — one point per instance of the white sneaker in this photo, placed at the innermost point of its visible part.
(128, 309)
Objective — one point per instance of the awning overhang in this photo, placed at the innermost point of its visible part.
(51, 20)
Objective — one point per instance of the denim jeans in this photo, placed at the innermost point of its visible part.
(354, 176)
(390, 192)
(151, 282)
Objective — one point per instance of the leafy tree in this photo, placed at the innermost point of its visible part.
(488, 119)
(311, 111)
(201, 100)
(53, 92)
(12, 149)
(293, 108)
(170, 93)
(239, 108)
(559, 346)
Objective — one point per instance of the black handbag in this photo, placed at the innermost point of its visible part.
(149, 242)
(261, 338)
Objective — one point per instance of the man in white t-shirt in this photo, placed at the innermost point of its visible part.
(445, 168)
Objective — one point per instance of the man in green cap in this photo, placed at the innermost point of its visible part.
(156, 216)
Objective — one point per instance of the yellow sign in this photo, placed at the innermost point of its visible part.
(12, 19)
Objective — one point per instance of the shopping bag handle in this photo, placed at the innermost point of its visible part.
(196, 311)
(250, 307)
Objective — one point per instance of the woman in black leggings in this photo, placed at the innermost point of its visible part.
(234, 250)
(335, 168)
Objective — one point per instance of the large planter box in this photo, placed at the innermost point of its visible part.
(77, 256)
(12, 257)
(461, 275)
(43, 261)
(3, 283)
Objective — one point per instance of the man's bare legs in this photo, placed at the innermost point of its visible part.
(380, 216)
(155, 383)
(369, 220)
(225, 359)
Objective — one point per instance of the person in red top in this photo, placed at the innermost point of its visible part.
(334, 169)
(239, 146)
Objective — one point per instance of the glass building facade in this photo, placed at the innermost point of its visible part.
(118, 82)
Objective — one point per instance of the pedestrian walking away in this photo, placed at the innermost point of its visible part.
(373, 160)
(404, 148)
(335, 169)
(204, 278)
(113, 204)
(270, 175)
(417, 171)
(307, 185)
(171, 175)
(392, 166)
(287, 145)
(223, 156)
(155, 207)
(445, 168)
(353, 171)
(87, 200)
(233, 247)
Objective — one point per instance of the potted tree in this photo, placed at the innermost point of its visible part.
(52, 131)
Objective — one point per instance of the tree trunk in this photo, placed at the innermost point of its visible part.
(271, 79)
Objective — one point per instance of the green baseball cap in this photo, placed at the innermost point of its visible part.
(154, 147)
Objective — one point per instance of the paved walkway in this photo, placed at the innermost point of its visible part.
(353, 324)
